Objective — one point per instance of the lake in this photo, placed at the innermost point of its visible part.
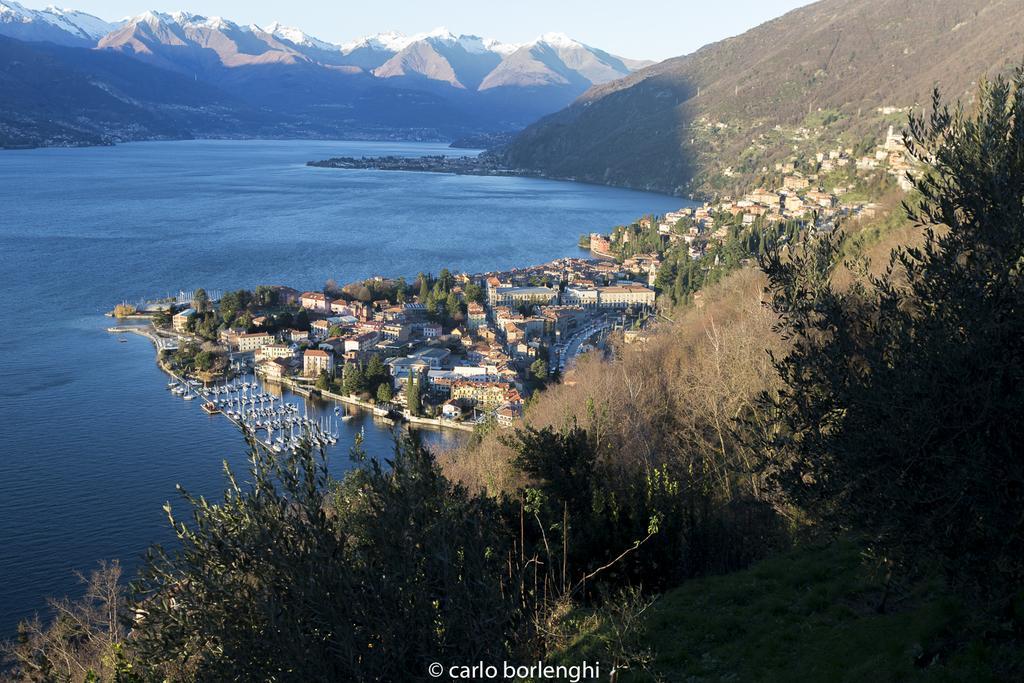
(92, 444)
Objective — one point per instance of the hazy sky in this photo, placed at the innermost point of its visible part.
(651, 29)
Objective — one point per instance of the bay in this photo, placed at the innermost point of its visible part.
(91, 443)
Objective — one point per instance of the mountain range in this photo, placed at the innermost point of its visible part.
(278, 80)
(670, 126)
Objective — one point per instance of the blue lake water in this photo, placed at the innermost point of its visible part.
(91, 443)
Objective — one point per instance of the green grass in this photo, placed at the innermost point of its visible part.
(809, 615)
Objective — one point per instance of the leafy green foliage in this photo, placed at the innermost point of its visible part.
(298, 577)
(624, 525)
(900, 414)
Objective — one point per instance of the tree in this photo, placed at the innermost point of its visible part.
(204, 360)
(424, 281)
(124, 310)
(299, 577)
(323, 381)
(163, 317)
(539, 370)
(201, 300)
(265, 296)
(900, 412)
(412, 395)
(375, 372)
(445, 280)
(588, 513)
(353, 380)
(384, 394)
(474, 292)
(233, 303)
(85, 642)
(433, 306)
(453, 307)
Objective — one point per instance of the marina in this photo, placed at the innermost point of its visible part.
(271, 420)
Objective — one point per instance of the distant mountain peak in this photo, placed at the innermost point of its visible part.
(391, 41)
(439, 32)
(556, 39)
(299, 37)
(53, 24)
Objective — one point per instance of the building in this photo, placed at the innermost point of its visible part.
(452, 409)
(275, 368)
(396, 331)
(296, 336)
(508, 414)
(625, 296)
(476, 316)
(314, 301)
(428, 330)
(488, 395)
(320, 328)
(519, 296)
(561, 321)
(315, 361)
(341, 307)
(180, 320)
(271, 351)
(795, 182)
(586, 297)
(764, 197)
(600, 244)
(493, 285)
(254, 341)
(434, 356)
(229, 337)
(402, 368)
(361, 343)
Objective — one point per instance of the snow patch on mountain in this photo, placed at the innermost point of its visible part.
(299, 37)
(79, 25)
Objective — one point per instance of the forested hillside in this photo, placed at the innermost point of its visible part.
(829, 66)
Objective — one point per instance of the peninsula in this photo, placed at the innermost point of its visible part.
(483, 165)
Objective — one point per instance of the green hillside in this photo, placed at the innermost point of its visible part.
(809, 615)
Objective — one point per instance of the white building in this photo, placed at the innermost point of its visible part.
(315, 361)
(625, 295)
(254, 341)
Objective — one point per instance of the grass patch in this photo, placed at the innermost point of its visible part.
(808, 615)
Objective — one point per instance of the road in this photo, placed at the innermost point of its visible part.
(567, 352)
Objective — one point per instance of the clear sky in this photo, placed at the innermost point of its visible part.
(645, 29)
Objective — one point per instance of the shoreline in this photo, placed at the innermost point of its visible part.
(296, 387)
(464, 165)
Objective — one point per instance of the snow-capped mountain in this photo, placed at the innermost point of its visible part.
(555, 59)
(53, 24)
(437, 58)
(193, 43)
(459, 61)
(437, 83)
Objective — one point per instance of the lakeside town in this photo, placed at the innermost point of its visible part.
(451, 350)
(468, 350)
